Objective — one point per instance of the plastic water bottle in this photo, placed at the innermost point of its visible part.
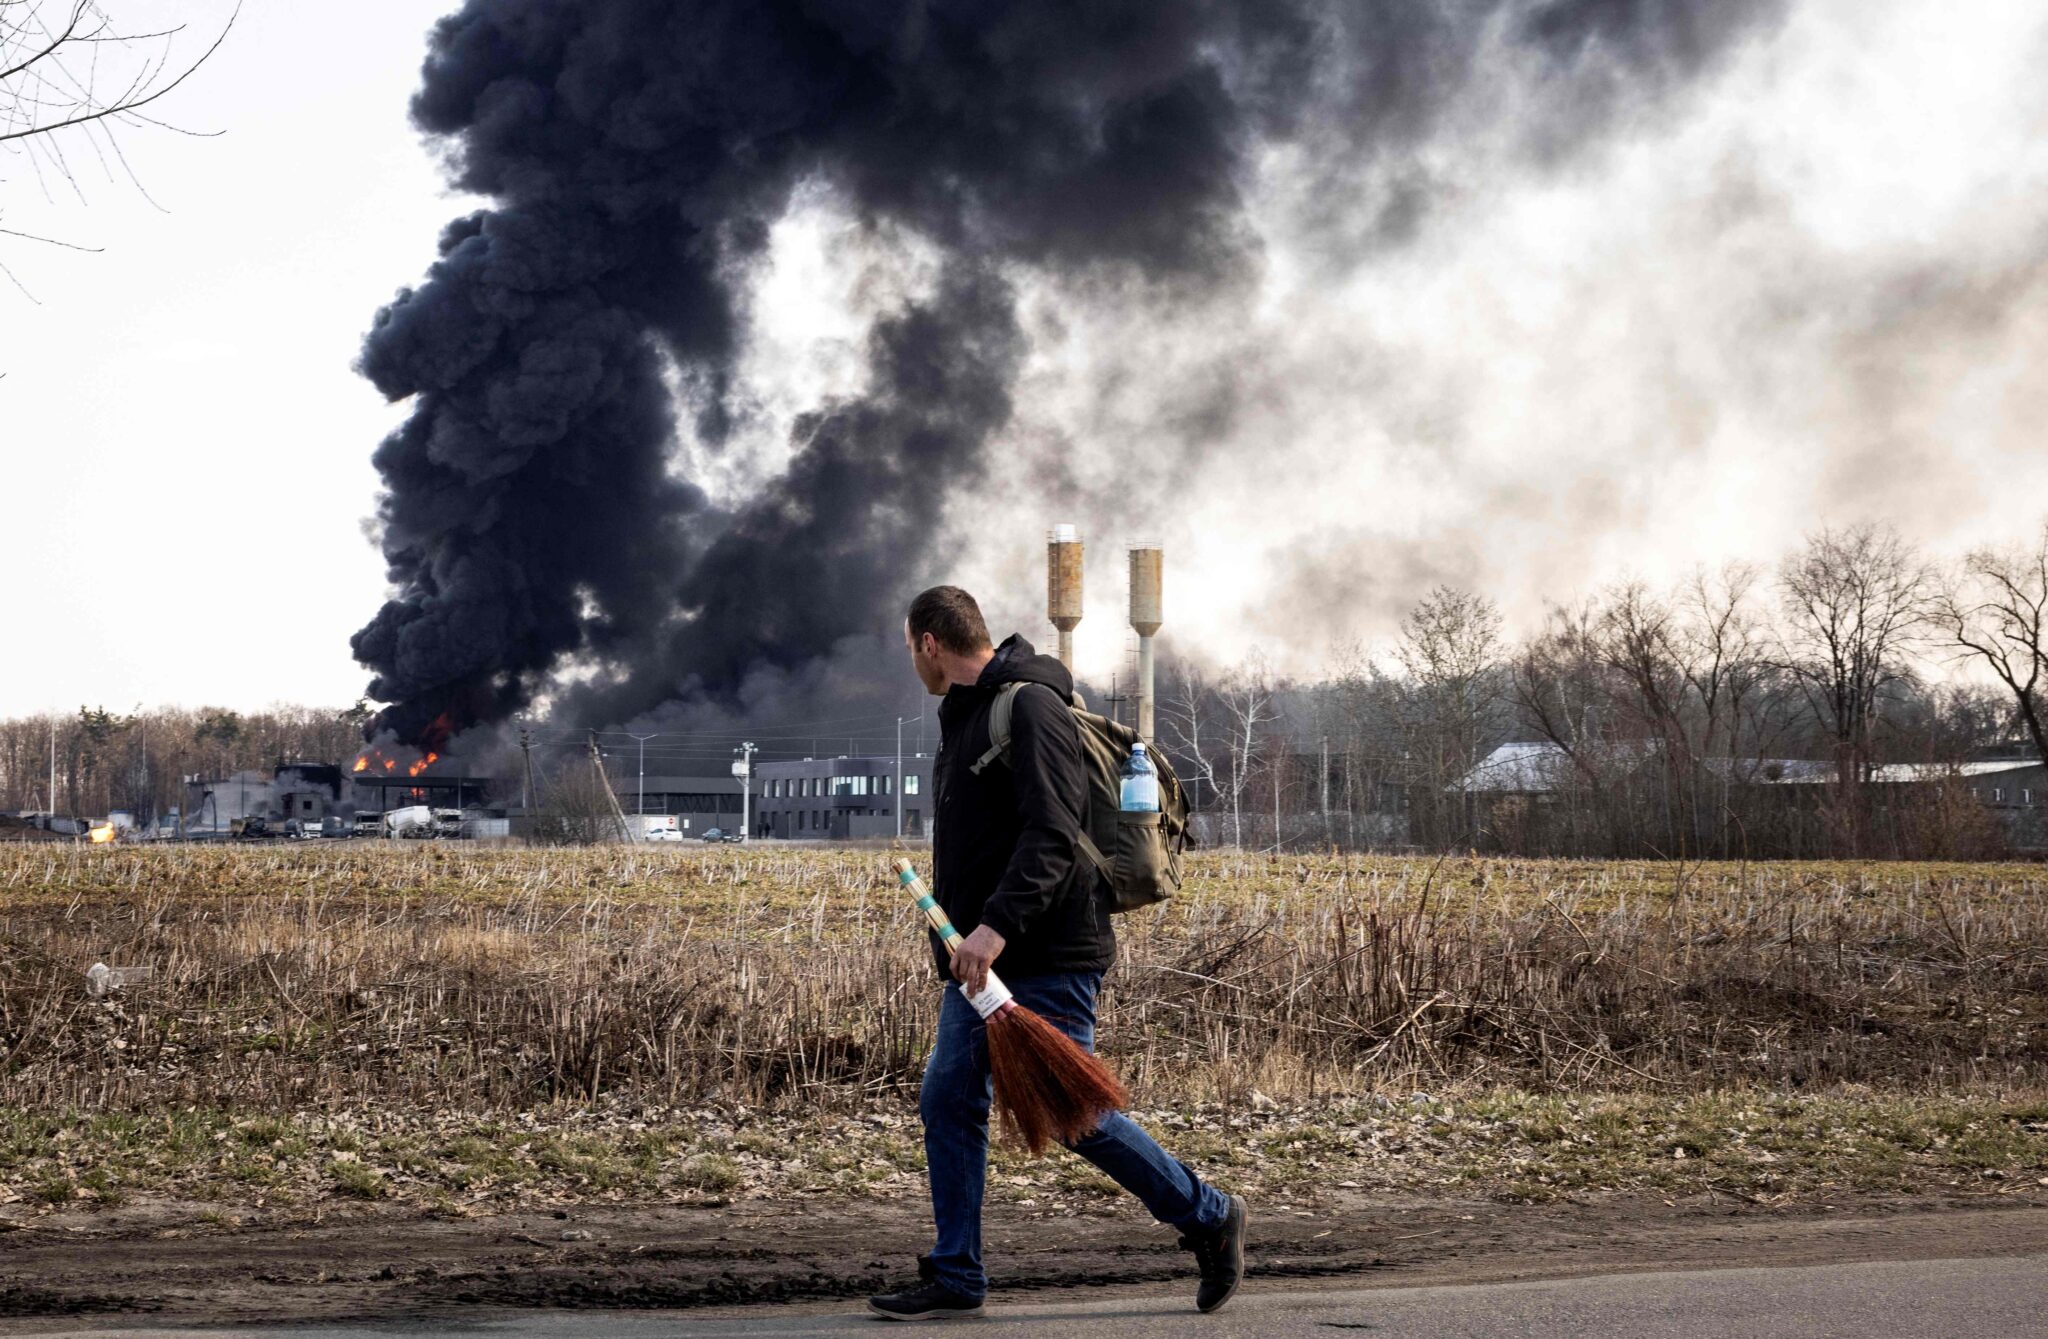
(1140, 782)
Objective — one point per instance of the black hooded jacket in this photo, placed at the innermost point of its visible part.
(1003, 851)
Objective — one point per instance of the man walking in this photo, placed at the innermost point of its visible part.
(1006, 869)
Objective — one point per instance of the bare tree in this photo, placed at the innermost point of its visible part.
(1246, 694)
(1366, 708)
(1183, 713)
(1994, 610)
(1558, 684)
(71, 79)
(1855, 603)
(1450, 649)
(579, 808)
(1727, 657)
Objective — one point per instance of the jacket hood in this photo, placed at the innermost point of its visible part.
(1017, 661)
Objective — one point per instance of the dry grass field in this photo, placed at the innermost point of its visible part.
(442, 1023)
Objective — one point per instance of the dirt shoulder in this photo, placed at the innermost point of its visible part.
(382, 1262)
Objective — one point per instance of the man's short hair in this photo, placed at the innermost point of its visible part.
(953, 619)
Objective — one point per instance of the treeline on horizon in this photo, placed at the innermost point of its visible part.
(1663, 714)
(1662, 710)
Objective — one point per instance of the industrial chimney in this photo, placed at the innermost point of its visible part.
(1063, 586)
(1147, 562)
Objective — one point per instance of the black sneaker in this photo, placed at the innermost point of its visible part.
(1220, 1253)
(927, 1301)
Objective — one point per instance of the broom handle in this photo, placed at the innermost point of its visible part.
(995, 995)
(934, 914)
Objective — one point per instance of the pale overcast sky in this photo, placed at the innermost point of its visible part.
(186, 451)
(1812, 289)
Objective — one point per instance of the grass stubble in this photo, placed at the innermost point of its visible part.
(464, 1028)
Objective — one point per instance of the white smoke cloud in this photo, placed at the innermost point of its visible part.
(1807, 290)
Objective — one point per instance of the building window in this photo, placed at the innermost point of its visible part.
(910, 784)
(2026, 795)
(888, 786)
(1998, 794)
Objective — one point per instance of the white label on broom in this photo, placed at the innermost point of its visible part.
(992, 997)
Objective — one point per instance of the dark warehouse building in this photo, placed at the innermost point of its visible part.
(824, 799)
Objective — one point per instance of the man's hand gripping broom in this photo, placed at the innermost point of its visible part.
(1047, 1088)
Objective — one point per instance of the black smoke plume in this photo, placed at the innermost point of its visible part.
(638, 154)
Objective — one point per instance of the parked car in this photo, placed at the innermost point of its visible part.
(333, 826)
(657, 827)
(719, 835)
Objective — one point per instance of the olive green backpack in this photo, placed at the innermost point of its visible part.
(1138, 853)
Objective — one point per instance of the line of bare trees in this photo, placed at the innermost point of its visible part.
(137, 762)
(1744, 712)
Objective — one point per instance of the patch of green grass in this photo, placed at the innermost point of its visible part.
(709, 1172)
(104, 1187)
(354, 1179)
(761, 1144)
(1517, 1145)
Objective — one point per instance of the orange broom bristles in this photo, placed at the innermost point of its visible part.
(1047, 1087)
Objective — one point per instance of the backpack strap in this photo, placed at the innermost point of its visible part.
(998, 727)
(999, 714)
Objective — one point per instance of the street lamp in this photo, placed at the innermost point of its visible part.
(640, 786)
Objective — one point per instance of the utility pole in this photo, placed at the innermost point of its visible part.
(632, 833)
(640, 786)
(1115, 700)
(744, 770)
(1326, 789)
(526, 780)
(53, 764)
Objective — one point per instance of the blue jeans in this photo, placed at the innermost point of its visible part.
(955, 1105)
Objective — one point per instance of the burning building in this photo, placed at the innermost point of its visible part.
(309, 793)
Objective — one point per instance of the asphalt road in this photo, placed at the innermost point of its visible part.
(1998, 1298)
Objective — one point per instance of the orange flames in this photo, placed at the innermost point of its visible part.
(373, 759)
(101, 834)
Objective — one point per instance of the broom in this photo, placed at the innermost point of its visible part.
(1047, 1087)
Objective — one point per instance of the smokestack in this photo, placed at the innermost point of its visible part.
(1147, 564)
(1063, 586)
